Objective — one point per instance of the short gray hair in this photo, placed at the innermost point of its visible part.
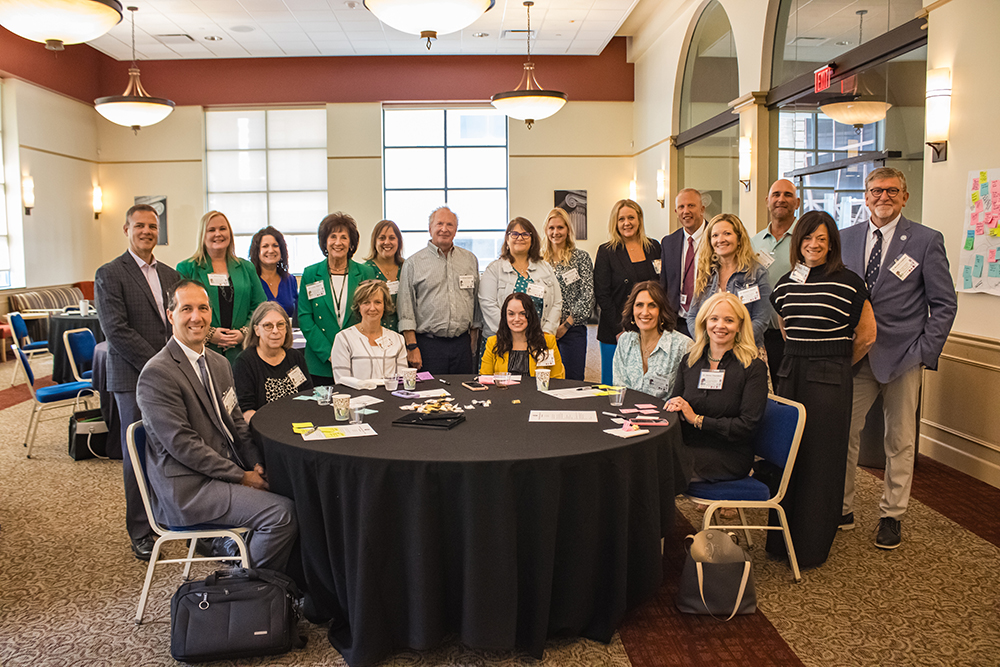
(430, 218)
(886, 172)
(259, 314)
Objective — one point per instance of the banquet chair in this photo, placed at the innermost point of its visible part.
(135, 440)
(776, 441)
(49, 398)
(23, 340)
(80, 344)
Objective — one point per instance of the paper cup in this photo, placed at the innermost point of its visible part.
(84, 306)
(391, 382)
(542, 379)
(410, 379)
(617, 396)
(342, 408)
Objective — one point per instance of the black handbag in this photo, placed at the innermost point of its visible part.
(717, 578)
(233, 614)
(88, 435)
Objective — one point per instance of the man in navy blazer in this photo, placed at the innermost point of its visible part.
(906, 269)
(130, 293)
(678, 254)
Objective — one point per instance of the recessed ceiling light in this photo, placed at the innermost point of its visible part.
(352, 4)
(213, 38)
(241, 28)
(844, 43)
(480, 34)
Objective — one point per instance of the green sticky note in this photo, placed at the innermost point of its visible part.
(970, 239)
(977, 269)
(994, 270)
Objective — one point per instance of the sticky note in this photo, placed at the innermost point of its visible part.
(993, 232)
(970, 239)
(980, 229)
(984, 190)
(975, 184)
(974, 218)
(979, 206)
(649, 412)
(628, 411)
(992, 256)
(994, 270)
(991, 219)
(975, 196)
(977, 269)
(982, 177)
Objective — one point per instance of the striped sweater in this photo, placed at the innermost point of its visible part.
(821, 313)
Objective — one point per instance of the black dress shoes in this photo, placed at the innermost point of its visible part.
(219, 546)
(143, 547)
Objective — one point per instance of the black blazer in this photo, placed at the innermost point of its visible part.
(614, 277)
(670, 268)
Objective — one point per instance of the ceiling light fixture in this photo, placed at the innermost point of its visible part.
(428, 18)
(529, 101)
(134, 108)
(58, 22)
(855, 110)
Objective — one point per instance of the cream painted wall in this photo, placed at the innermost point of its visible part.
(354, 165)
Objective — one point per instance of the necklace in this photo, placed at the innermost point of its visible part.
(714, 360)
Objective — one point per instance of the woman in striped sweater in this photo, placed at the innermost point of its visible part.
(828, 325)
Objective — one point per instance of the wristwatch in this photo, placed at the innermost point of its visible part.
(410, 347)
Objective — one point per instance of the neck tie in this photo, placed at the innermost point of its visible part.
(874, 261)
(687, 287)
(203, 369)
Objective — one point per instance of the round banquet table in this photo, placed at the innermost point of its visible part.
(501, 531)
(58, 324)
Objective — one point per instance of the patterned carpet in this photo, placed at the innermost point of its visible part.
(69, 584)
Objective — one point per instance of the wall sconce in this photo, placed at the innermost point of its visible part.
(661, 186)
(745, 155)
(938, 112)
(631, 190)
(98, 202)
(28, 194)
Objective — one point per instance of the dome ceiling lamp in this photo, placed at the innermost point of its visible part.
(529, 101)
(135, 107)
(58, 22)
(856, 110)
(428, 18)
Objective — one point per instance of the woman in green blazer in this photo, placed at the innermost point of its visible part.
(327, 292)
(234, 289)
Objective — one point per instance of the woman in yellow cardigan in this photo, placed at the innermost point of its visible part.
(519, 345)
(233, 287)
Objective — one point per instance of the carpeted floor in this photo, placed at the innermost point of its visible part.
(69, 584)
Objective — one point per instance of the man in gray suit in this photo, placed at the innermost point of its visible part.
(130, 291)
(905, 267)
(201, 460)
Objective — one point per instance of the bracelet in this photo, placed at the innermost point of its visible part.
(211, 332)
(698, 421)
(245, 330)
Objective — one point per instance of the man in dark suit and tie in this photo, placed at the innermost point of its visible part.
(906, 269)
(201, 460)
(130, 293)
(679, 250)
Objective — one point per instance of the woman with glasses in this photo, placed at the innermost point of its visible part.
(269, 367)
(520, 269)
(368, 350)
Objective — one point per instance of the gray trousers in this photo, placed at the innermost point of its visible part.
(272, 519)
(136, 522)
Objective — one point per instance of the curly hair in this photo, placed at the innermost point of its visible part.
(533, 332)
(258, 238)
(708, 262)
(335, 222)
(668, 318)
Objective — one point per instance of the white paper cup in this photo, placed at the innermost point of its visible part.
(409, 379)
(542, 376)
(84, 306)
(391, 382)
(342, 408)
(617, 396)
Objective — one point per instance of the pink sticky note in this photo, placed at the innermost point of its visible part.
(645, 406)
(979, 206)
(974, 218)
(649, 412)
(975, 184)
(993, 255)
(424, 375)
(980, 229)
(628, 411)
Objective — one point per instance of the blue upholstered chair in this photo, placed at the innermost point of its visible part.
(777, 441)
(80, 344)
(23, 340)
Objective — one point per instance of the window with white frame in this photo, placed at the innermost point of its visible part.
(453, 156)
(268, 167)
(4, 244)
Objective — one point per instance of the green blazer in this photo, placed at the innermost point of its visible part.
(248, 294)
(317, 318)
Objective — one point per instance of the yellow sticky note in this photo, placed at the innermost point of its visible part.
(975, 196)
(995, 231)
(982, 177)
(302, 424)
(331, 432)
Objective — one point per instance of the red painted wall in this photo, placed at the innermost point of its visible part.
(85, 74)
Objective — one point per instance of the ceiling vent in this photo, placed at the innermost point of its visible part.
(518, 34)
(174, 39)
(808, 41)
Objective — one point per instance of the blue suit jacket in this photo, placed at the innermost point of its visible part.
(913, 315)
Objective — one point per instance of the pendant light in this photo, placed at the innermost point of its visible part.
(58, 22)
(857, 111)
(529, 101)
(428, 18)
(135, 107)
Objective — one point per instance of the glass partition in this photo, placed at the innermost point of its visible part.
(711, 166)
(711, 73)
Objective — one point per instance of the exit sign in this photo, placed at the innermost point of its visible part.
(822, 78)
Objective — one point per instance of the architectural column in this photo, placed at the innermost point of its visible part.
(755, 124)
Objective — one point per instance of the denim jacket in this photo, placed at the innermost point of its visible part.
(760, 309)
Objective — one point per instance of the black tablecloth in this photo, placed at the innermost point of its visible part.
(58, 324)
(502, 531)
(109, 409)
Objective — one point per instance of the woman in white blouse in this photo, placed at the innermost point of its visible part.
(367, 350)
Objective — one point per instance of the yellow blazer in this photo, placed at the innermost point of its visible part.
(496, 364)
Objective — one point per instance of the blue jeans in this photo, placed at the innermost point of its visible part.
(607, 362)
(573, 350)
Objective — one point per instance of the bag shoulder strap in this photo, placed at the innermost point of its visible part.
(739, 596)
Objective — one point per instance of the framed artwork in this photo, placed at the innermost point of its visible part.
(574, 202)
(158, 202)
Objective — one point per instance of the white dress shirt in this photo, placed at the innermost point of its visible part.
(193, 357)
(887, 232)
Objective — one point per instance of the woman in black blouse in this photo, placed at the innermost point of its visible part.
(269, 367)
(629, 257)
(828, 325)
(721, 390)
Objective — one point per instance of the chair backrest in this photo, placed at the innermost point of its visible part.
(22, 359)
(135, 441)
(19, 328)
(779, 434)
(80, 344)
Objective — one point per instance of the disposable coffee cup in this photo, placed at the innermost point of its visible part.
(84, 306)
(342, 408)
(391, 382)
(617, 396)
(542, 379)
(410, 379)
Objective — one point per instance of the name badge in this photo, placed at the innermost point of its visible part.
(296, 376)
(467, 282)
(548, 359)
(799, 273)
(684, 299)
(711, 379)
(657, 264)
(316, 290)
(749, 294)
(382, 342)
(218, 279)
(903, 266)
(571, 276)
(393, 286)
(229, 399)
(536, 290)
(765, 259)
(658, 383)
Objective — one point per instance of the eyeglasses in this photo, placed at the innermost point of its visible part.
(877, 192)
(519, 235)
(271, 326)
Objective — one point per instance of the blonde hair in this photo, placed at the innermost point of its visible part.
(616, 240)
(200, 256)
(708, 262)
(743, 347)
(550, 254)
(367, 289)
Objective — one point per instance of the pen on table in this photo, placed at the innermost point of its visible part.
(443, 381)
